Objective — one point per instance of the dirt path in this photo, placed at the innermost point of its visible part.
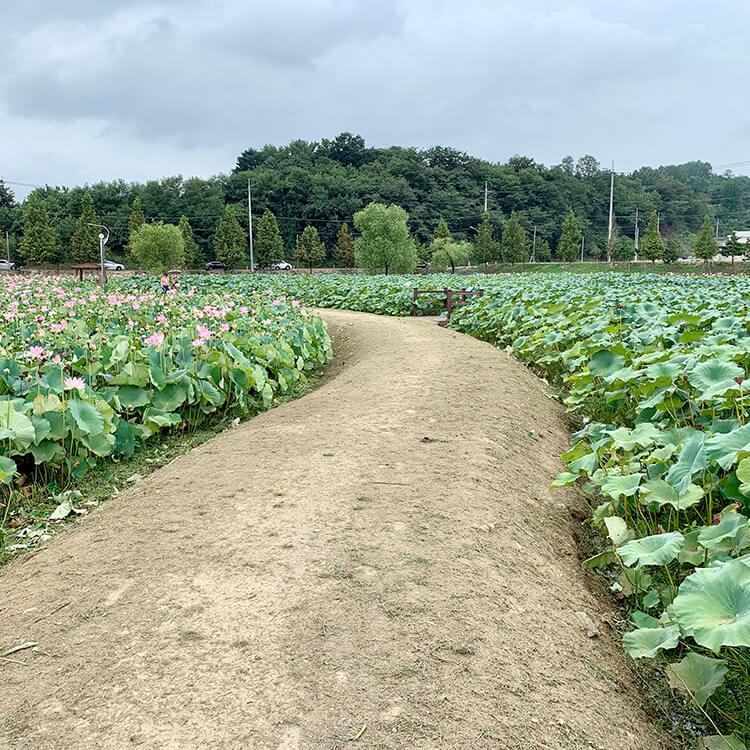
(379, 564)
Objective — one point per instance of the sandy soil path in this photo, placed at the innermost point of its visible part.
(379, 564)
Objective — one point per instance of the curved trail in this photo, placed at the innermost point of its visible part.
(379, 564)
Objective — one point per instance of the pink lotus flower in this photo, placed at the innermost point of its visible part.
(57, 359)
(155, 339)
(276, 301)
(203, 332)
(57, 327)
(73, 383)
(197, 342)
(35, 352)
(224, 326)
(244, 309)
(295, 303)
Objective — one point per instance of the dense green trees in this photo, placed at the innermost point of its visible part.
(344, 252)
(39, 244)
(447, 253)
(268, 246)
(191, 248)
(705, 244)
(229, 242)
(310, 250)
(158, 247)
(672, 250)
(651, 246)
(486, 249)
(385, 244)
(84, 245)
(135, 222)
(734, 247)
(569, 245)
(325, 183)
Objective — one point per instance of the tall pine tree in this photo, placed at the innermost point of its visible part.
(229, 242)
(570, 239)
(310, 250)
(39, 243)
(705, 244)
(514, 245)
(268, 246)
(733, 247)
(84, 244)
(442, 232)
(651, 246)
(486, 250)
(191, 248)
(344, 248)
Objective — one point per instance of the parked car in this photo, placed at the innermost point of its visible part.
(7, 265)
(111, 265)
(281, 265)
(422, 266)
(215, 265)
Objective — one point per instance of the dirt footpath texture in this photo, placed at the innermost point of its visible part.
(379, 564)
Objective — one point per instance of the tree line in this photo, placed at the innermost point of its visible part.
(323, 184)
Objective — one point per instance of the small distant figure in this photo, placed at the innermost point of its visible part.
(165, 283)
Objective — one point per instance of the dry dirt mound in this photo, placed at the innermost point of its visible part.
(379, 564)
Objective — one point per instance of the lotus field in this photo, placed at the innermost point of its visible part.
(87, 375)
(657, 368)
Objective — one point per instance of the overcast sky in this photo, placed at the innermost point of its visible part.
(140, 89)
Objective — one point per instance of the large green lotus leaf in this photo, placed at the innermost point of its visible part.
(47, 403)
(658, 549)
(715, 377)
(170, 398)
(605, 362)
(743, 474)
(691, 461)
(617, 485)
(713, 606)
(726, 447)
(564, 479)
(697, 675)
(730, 531)
(660, 492)
(86, 416)
(19, 424)
(8, 470)
(722, 742)
(644, 434)
(692, 553)
(646, 642)
(131, 396)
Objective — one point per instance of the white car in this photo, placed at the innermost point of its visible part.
(110, 265)
(6, 265)
(281, 265)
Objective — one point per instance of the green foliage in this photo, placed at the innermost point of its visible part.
(85, 241)
(158, 247)
(514, 245)
(310, 250)
(625, 249)
(268, 246)
(230, 240)
(543, 253)
(733, 247)
(385, 244)
(651, 245)
(446, 253)
(441, 231)
(486, 249)
(705, 244)
(569, 245)
(344, 248)
(39, 244)
(135, 222)
(672, 250)
(191, 248)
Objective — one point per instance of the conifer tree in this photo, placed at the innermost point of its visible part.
(310, 250)
(486, 249)
(514, 245)
(672, 250)
(344, 248)
(733, 247)
(136, 221)
(268, 246)
(570, 239)
(39, 243)
(705, 244)
(651, 246)
(191, 248)
(442, 232)
(543, 253)
(84, 244)
(229, 241)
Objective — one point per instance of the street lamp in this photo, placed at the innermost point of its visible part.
(102, 242)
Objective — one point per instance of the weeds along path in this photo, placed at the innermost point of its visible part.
(379, 564)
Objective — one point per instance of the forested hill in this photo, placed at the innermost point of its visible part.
(324, 183)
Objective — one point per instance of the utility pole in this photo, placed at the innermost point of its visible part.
(533, 247)
(717, 229)
(611, 206)
(250, 224)
(583, 238)
(485, 196)
(7, 245)
(637, 235)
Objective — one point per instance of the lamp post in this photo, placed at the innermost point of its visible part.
(102, 242)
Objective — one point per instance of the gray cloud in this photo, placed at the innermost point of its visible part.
(148, 87)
